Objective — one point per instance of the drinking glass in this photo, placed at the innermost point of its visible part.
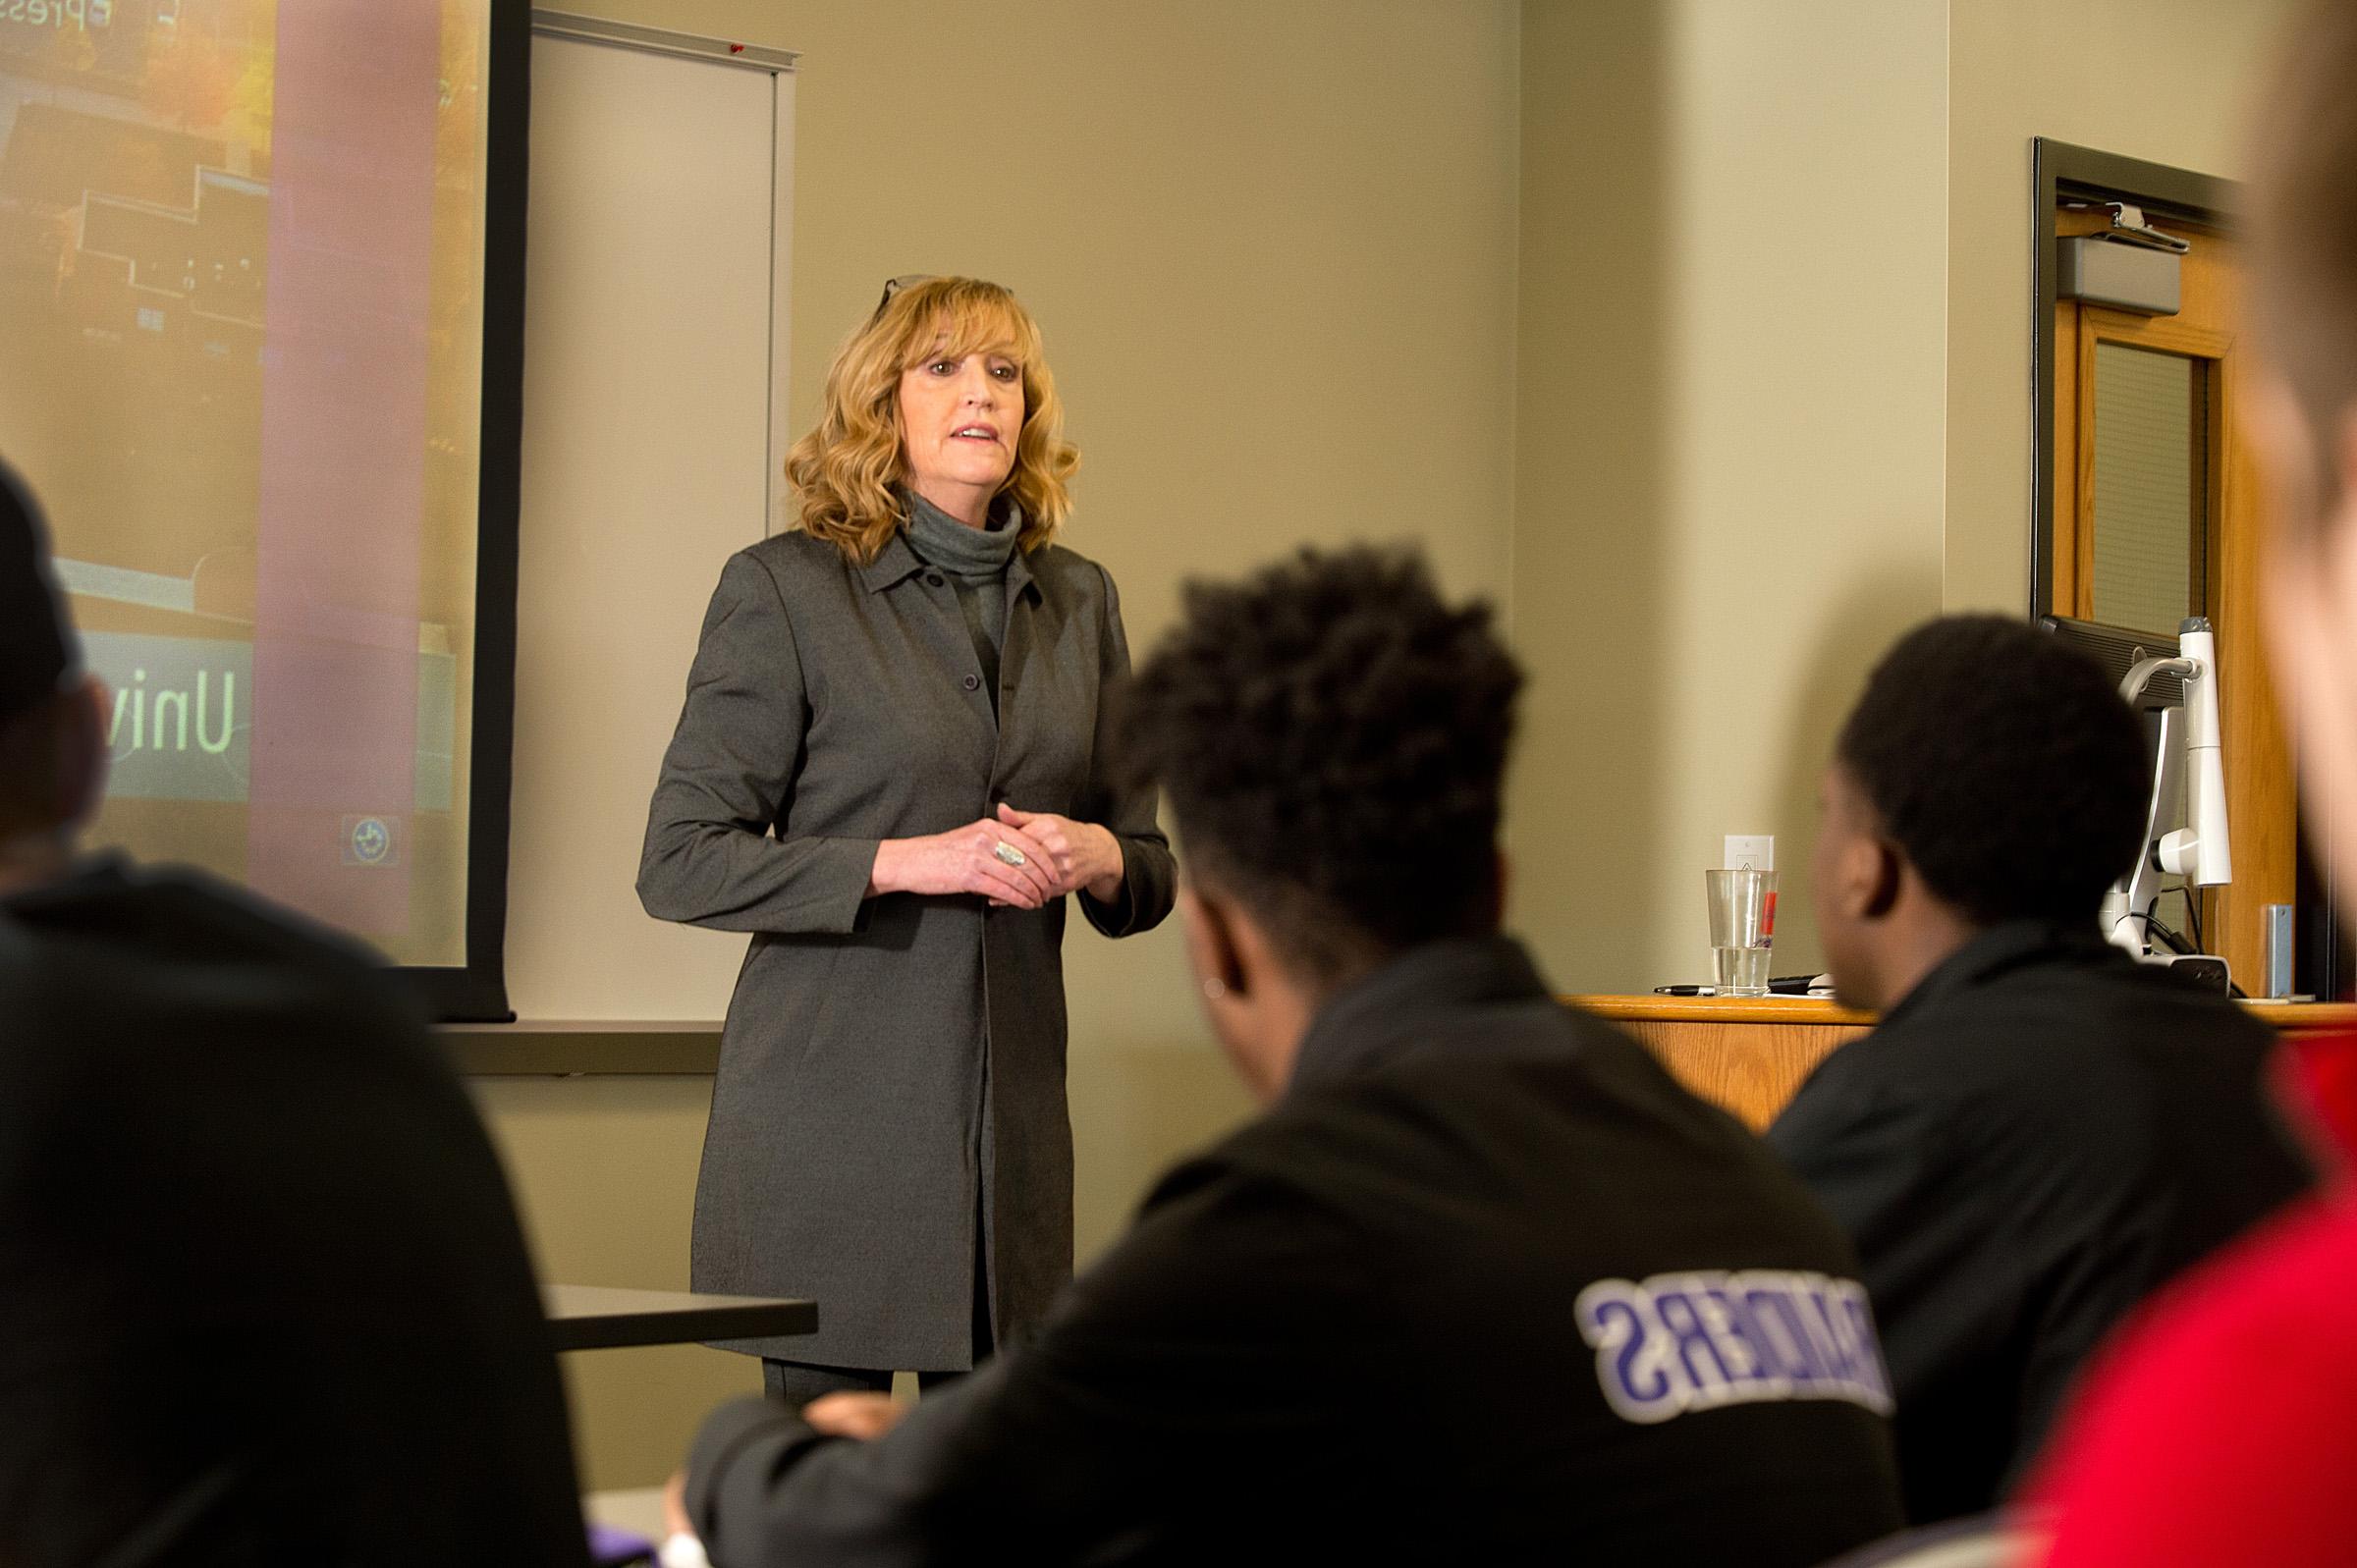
(1742, 929)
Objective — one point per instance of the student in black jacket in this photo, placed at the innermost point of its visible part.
(2041, 1130)
(1484, 1285)
(262, 1296)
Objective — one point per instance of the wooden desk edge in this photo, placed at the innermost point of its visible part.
(1719, 1009)
(2294, 1018)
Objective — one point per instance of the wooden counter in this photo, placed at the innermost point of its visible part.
(1749, 1054)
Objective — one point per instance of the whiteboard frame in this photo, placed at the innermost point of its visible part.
(781, 65)
(662, 40)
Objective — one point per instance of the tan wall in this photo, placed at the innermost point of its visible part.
(1272, 248)
(2164, 81)
(1773, 395)
(1729, 415)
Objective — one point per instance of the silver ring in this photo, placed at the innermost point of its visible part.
(1009, 854)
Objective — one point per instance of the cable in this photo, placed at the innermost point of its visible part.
(2168, 938)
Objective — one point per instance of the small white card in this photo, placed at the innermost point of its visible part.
(1750, 851)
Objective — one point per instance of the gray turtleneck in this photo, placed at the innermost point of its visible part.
(975, 559)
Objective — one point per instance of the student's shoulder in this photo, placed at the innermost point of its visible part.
(1961, 1043)
(2064, 1028)
(242, 919)
(176, 938)
(1906, 1056)
(158, 976)
(1226, 1226)
(1323, 1164)
(111, 898)
(2098, 1003)
(1510, 1051)
(1263, 1158)
(1899, 1084)
(2033, 1055)
(1510, 1088)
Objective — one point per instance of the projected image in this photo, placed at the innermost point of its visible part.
(242, 302)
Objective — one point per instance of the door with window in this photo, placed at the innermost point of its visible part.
(2155, 517)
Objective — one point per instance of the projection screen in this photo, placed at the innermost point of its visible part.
(263, 323)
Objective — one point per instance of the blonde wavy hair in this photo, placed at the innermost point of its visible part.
(848, 469)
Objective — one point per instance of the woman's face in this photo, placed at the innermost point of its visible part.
(960, 421)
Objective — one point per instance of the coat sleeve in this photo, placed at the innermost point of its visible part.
(1220, 1351)
(1149, 872)
(709, 859)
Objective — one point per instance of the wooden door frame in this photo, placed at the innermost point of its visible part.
(2060, 172)
(2266, 850)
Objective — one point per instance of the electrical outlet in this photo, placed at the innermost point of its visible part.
(1750, 851)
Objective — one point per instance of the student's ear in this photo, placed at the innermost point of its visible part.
(1212, 945)
(1883, 870)
(1864, 877)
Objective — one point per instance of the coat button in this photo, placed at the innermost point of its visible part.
(973, 683)
(932, 579)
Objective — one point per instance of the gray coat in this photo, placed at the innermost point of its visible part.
(892, 1068)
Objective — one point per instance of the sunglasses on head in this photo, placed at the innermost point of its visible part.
(892, 285)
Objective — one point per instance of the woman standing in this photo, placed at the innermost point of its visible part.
(887, 770)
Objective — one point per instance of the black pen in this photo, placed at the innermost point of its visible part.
(1781, 986)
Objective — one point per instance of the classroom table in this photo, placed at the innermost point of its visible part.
(601, 1318)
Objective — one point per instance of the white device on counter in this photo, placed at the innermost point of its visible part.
(2188, 768)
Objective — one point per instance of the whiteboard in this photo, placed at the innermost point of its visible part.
(655, 357)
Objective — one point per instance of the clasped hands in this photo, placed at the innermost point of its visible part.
(1056, 856)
